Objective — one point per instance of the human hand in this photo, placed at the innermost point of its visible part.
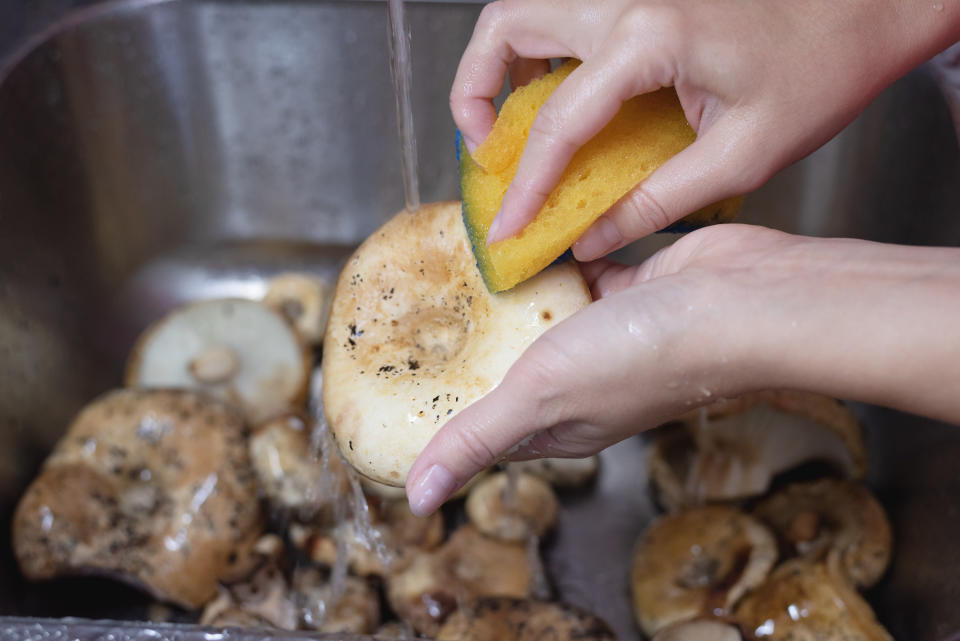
(723, 311)
(762, 84)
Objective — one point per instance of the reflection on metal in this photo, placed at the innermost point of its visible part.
(157, 152)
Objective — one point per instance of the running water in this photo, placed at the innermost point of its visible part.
(350, 508)
(539, 584)
(401, 70)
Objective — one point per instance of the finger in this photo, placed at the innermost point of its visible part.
(472, 440)
(574, 113)
(524, 70)
(706, 172)
(507, 31)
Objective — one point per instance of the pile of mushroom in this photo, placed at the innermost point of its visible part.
(708, 568)
(209, 483)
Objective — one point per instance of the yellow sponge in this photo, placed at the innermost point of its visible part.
(645, 133)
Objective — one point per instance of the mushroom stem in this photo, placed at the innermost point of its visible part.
(215, 364)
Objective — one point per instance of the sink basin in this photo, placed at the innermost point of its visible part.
(154, 152)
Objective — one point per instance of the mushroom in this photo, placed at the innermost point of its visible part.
(393, 524)
(832, 517)
(263, 597)
(353, 608)
(699, 630)
(292, 477)
(395, 630)
(153, 487)
(511, 619)
(561, 472)
(512, 508)
(804, 600)
(304, 300)
(734, 448)
(466, 567)
(698, 562)
(239, 351)
(414, 336)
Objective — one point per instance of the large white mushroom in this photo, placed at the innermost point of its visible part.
(236, 350)
(153, 487)
(414, 336)
(734, 449)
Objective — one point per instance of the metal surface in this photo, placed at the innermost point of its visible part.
(154, 152)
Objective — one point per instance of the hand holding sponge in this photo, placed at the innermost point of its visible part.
(646, 132)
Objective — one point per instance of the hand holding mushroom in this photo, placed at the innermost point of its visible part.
(723, 311)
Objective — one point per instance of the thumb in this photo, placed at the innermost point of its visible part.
(714, 167)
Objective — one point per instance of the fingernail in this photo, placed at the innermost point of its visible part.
(602, 238)
(471, 144)
(430, 491)
(493, 234)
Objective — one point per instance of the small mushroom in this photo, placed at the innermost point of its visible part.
(466, 567)
(304, 300)
(561, 472)
(832, 517)
(511, 619)
(698, 562)
(153, 487)
(512, 508)
(354, 608)
(393, 525)
(292, 477)
(395, 630)
(804, 600)
(263, 597)
(733, 449)
(236, 350)
(699, 630)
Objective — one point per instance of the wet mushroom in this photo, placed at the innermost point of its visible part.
(294, 479)
(803, 600)
(698, 562)
(239, 351)
(262, 597)
(468, 566)
(414, 333)
(511, 619)
(561, 472)
(304, 300)
(836, 518)
(699, 630)
(393, 525)
(153, 487)
(512, 508)
(354, 608)
(733, 449)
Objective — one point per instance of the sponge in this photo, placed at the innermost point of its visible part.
(645, 133)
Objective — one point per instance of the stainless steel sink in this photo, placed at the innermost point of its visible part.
(153, 152)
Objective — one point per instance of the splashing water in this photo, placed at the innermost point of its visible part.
(401, 70)
(539, 585)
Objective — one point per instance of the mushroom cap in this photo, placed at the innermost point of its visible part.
(733, 449)
(291, 476)
(803, 600)
(698, 562)
(832, 517)
(303, 300)
(512, 512)
(561, 472)
(239, 351)
(468, 566)
(511, 619)
(699, 630)
(153, 487)
(414, 336)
